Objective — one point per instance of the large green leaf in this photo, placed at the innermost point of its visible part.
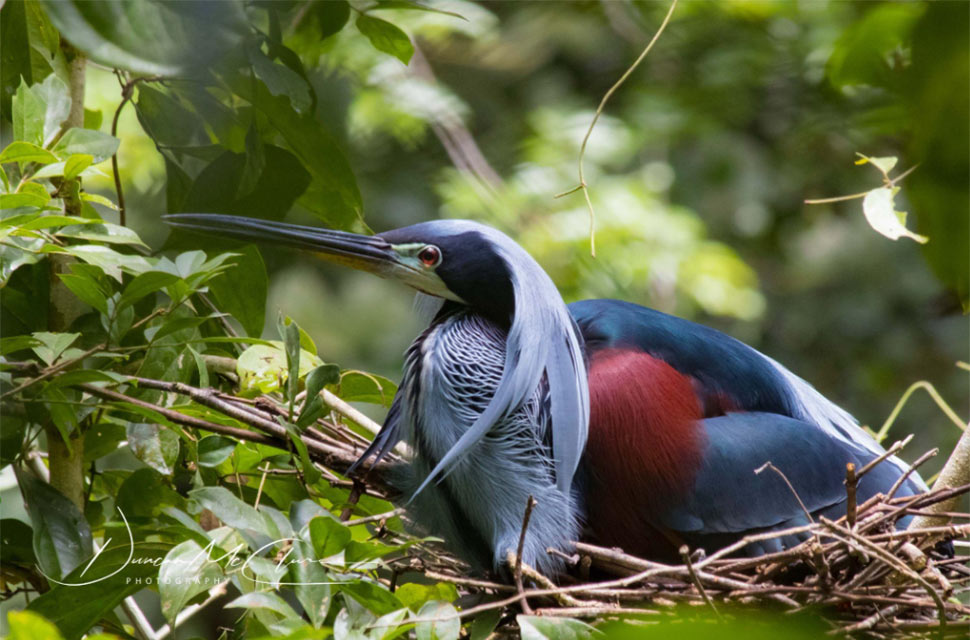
(333, 195)
(230, 509)
(214, 449)
(539, 628)
(328, 535)
(100, 146)
(118, 572)
(169, 124)
(186, 572)
(280, 79)
(62, 537)
(386, 37)
(241, 291)
(19, 151)
(441, 622)
(939, 99)
(158, 38)
(27, 625)
(331, 16)
(39, 110)
(282, 180)
(14, 52)
(154, 445)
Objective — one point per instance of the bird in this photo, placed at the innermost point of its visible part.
(627, 426)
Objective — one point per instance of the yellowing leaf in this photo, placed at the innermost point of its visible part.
(880, 212)
(262, 368)
(885, 164)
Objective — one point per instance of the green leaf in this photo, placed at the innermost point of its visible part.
(101, 232)
(100, 146)
(62, 537)
(27, 197)
(144, 494)
(328, 535)
(12, 344)
(310, 577)
(75, 609)
(230, 509)
(19, 151)
(415, 595)
(860, 55)
(186, 572)
(444, 623)
(374, 597)
(144, 284)
(153, 38)
(86, 289)
(241, 291)
(879, 209)
(39, 110)
(52, 345)
(27, 625)
(484, 624)
(14, 52)
(111, 262)
(154, 445)
(62, 413)
(548, 628)
(280, 79)
(262, 368)
(310, 472)
(405, 4)
(263, 600)
(316, 380)
(331, 16)
(214, 449)
(98, 199)
(885, 164)
(333, 194)
(76, 164)
(167, 121)
(217, 188)
(357, 386)
(386, 37)
(290, 333)
(102, 439)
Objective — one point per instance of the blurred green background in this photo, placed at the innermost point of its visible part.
(698, 172)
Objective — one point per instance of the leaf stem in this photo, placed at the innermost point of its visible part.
(599, 111)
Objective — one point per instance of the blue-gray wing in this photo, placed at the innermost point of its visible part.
(729, 497)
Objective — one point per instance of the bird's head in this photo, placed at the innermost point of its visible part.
(458, 260)
(474, 265)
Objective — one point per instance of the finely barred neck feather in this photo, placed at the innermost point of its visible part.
(542, 340)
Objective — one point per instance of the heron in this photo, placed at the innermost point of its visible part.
(629, 427)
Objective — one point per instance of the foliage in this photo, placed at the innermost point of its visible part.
(272, 109)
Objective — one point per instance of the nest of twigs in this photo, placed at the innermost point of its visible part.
(860, 574)
(866, 579)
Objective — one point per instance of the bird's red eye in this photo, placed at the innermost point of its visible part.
(430, 256)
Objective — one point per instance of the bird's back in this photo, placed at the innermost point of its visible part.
(682, 415)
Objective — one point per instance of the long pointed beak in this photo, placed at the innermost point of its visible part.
(368, 253)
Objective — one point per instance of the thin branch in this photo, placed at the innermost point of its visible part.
(685, 556)
(599, 111)
(791, 487)
(888, 453)
(851, 482)
(517, 565)
(913, 467)
(934, 394)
